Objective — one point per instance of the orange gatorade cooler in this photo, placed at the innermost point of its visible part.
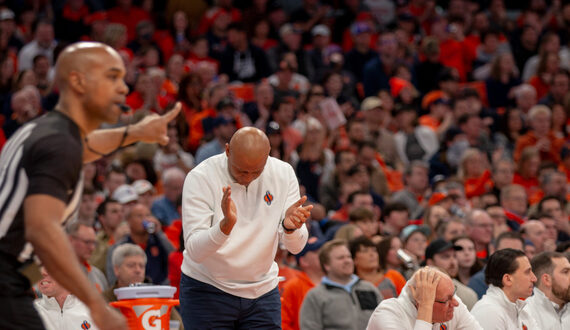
(146, 307)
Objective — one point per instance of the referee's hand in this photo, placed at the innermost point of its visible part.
(153, 128)
(106, 317)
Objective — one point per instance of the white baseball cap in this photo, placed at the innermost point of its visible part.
(142, 186)
(125, 194)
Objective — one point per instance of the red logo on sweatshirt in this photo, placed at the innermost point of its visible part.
(268, 198)
(443, 327)
(85, 325)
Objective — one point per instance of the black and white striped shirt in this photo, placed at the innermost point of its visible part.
(43, 157)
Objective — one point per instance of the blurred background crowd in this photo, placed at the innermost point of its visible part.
(406, 121)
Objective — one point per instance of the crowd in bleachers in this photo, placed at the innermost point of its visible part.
(407, 122)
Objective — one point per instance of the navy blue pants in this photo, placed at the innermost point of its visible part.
(203, 306)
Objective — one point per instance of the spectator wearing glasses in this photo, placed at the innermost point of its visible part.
(427, 302)
(441, 253)
(480, 229)
(510, 278)
(83, 240)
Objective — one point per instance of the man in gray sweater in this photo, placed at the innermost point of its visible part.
(342, 300)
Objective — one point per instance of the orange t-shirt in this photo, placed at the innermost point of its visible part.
(541, 87)
(429, 121)
(478, 186)
(294, 292)
(396, 278)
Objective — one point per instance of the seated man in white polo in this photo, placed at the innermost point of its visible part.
(549, 304)
(428, 301)
(510, 280)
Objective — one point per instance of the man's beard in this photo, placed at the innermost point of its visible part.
(561, 293)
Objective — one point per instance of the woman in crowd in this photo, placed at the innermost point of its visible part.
(432, 216)
(415, 239)
(312, 162)
(367, 266)
(510, 127)
(548, 65)
(466, 258)
(390, 262)
(504, 76)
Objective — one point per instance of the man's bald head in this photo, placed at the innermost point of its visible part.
(247, 154)
(90, 79)
(81, 57)
(445, 301)
(535, 231)
(250, 140)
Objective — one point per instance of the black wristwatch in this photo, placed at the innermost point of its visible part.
(287, 230)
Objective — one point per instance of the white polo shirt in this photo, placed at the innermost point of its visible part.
(240, 263)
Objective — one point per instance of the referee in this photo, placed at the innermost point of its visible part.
(41, 180)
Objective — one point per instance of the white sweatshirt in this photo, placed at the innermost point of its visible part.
(74, 314)
(544, 313)
(496, 311)
(240, 263)
(401, 313)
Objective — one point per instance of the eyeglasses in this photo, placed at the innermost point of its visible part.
(448, 301)
(85, 241)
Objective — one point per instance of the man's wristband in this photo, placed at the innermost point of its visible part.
(287, 230)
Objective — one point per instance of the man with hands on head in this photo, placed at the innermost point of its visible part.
(428, 301)
(236, 207)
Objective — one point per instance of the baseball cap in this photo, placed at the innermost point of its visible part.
(437, 97)
(6, 14)
(321, 30)
(437, 197)
(370, 103)
(225, 102)
(360, 27)
(437, 179)
(142, 186)
(273, 128)
(438, 246)
(313, 244)
(411, 229)
(125, 194)
(398, 84)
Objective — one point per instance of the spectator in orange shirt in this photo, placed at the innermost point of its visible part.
(527, 170)
(559, 89)
(552, 183)
(215, 94)
(390, 262)
(474, 170)
(440, 115)
(294, 290)
(540, 136)
(367, 266)
(514, 202)
(127, 14)
(548, 65)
